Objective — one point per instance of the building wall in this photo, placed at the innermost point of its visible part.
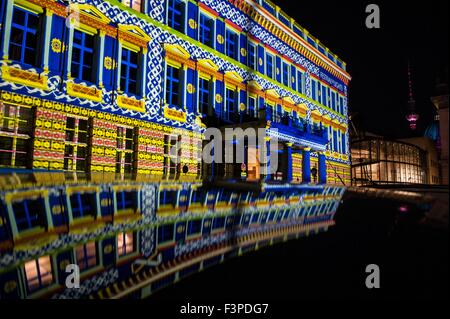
(432, 158)
(306, 81)
(443, 124)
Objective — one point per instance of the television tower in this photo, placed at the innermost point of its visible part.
(412, 117)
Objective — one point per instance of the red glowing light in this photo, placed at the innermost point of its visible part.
(403, 209)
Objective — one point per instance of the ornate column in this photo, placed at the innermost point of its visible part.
(322, 168)
(7, 29)
(144, 72)
(267, 176)
(101, 55)
(306, 165)
(119, 64)
(69, 51)
(184, 84)
(289, 162)
(48, 30)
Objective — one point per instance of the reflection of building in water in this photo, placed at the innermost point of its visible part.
(383, 161)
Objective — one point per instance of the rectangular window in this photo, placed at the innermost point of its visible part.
(125, 150)
(269, 66)
(218, 223)
(172, 151)
(83, 205)
(15, 135)
(198, 197)
(24, 41)
(168, 198)
(341, 105)
(38, 273)
(231, 44)
(165, 233)
(76, 148)
(194, 227)
(133, 4)
(83, 53)
(125, 244)
(204, 95)
(129, 71)
(126, 200)
(344, 144)
(252, 56)
(329, 97)
(252, 108)
(300, 82)
(206, 35)
(276, 113)
(324, 95)
(86, 256)
(314, 90)
(29, 214)
(175, 15)
(231, 105)
(286, 74)
(333, 101)
(335, 141)
(173, 86)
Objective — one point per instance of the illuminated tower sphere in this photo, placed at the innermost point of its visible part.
(412, 117)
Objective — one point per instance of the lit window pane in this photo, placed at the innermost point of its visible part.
(125, 243)
(39, 273)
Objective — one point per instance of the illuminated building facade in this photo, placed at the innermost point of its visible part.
(107, 88)
(376, 160)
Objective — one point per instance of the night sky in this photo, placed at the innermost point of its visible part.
(377, 59)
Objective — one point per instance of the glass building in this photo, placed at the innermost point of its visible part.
(381, 161)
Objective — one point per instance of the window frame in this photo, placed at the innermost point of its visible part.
(202, 27)
(252, 55)
(122, 150)
(285, 81)
(130, 5)
(235, 101)
(167, 241)
(127, 64)
(171, 12)
(15, 132)
(95, 209)
(83, 50)
(38, 266)
(26, 30)
(29, 220)
(75, 144)
(235, 42)
(300, 81)
(255, 98)
(273, 72)
(171, 79)
(201, 92)
(88, 268)
(122, 250)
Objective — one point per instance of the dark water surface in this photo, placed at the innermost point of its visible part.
(413, 259)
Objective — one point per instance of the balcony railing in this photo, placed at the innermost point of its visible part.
(300, 129)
